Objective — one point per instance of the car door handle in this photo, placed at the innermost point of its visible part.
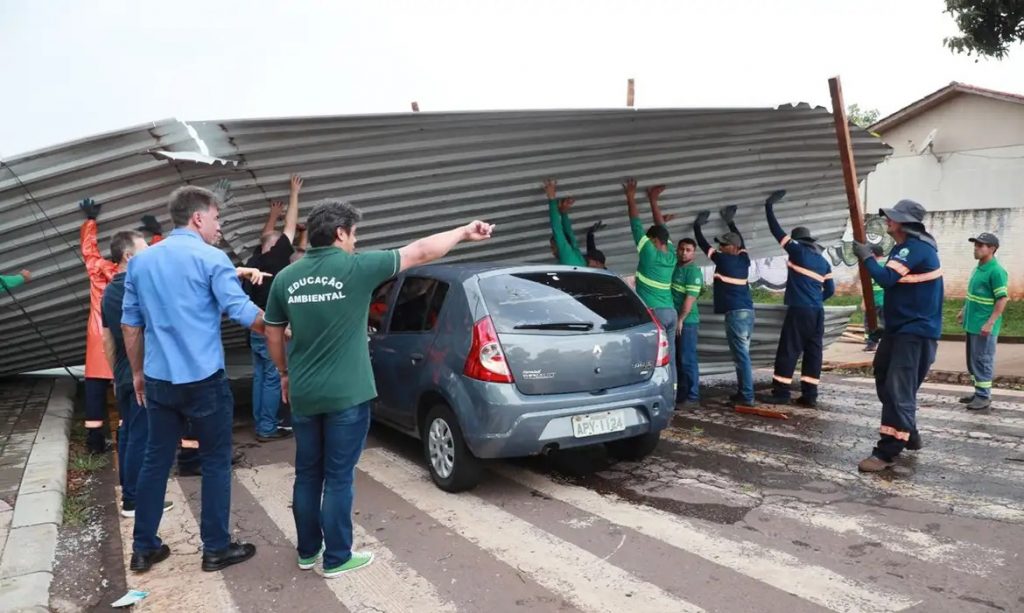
(416, 357)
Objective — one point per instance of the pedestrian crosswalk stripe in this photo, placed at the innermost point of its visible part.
(772, 567)
(385, 585)
(575, 574)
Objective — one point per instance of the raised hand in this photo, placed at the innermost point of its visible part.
(90, 207)
(277, 208)
(629, 187)
(703, 217)
(478, 231)
(775, 196)
(551, 188)
(729, 213)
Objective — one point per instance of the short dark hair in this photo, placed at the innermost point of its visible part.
(325, 219)
(187, 201)
(597, 255)
(658, 232)
(688, 241)
(123, 243)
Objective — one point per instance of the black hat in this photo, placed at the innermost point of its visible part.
(905, 211)
(596, 255)
(729, 238)
(986, 238)
(801, 233)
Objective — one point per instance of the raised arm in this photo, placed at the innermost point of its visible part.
(564, 207)
(276, 210)
(698, 234)
(591, 241)
(291, 217)
(636, 227)
(773, 222)
(653, 194)
(728, 214)
(13, 281)
(438, 245)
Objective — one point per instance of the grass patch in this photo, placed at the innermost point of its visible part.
(87, 462)
(697, 430)
(76, 510)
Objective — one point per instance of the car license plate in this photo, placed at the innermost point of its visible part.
(593, 424)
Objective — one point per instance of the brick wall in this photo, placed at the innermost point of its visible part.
(951, 230)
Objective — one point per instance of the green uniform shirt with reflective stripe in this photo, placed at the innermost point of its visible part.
(988, 283)
(12, 281)
(654, 269)
(687, 281)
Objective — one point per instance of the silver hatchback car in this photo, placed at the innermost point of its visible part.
(489, 361)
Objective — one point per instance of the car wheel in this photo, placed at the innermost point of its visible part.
(452, 467)
(634, 448)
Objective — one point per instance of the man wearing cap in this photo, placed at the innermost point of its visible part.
(982, 317)
(656, 263)
(732, 297)
(912, 280)
(808, 286)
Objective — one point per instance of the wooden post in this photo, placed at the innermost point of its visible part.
(629, 93)
(415, 107)
(852, 196)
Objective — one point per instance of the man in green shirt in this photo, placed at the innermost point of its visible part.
(563, 240)
(327, 377)
(10, 282)
(687, 282)
(656, 261)
(982, 318)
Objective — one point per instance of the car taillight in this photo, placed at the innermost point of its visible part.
(662, 359)
(486, 361)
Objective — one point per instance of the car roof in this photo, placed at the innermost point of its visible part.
(457, 273)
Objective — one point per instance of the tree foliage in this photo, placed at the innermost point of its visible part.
(861, 117)
(988, 28)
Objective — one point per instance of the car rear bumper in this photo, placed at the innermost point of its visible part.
(505, 423)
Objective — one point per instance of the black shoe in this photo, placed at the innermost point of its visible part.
(914, 444)
(967, 399)
(278, 434)
(737, 397)
(979, 404)
(809, 403)
(773, 399)
(234, 554)
(141, 562)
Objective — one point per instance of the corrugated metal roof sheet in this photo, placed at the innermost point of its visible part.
(413, 174)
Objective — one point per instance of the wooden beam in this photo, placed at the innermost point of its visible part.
(629, 93)
(852, 195)
(415, 107)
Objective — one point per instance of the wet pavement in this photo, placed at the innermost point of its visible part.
(731, 513)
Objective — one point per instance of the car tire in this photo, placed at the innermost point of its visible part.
(461, 470)
(634, 448)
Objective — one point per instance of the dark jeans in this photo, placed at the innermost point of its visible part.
(739, 327)
(981, 362)
(132, 437)
(901, 364)
(266, 387)
(327, 447)
(687, 366)
(802, 332)
(96, 413)
(208, 404)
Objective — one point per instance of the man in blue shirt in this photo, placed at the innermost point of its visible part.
(808, 286)
(912, 280)
(174, 294)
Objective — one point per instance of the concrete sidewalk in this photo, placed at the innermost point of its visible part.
(950, 357)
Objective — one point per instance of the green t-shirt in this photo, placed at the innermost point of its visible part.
(654, 269)
(988, 283)
(687, 281)
(325, 297)
(11, 282)
(565, 239)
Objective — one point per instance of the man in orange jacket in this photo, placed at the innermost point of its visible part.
(97, 370)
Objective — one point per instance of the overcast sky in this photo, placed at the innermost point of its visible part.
(76, 68)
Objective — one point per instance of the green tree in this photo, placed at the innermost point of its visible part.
(988, 28)
(860, 117)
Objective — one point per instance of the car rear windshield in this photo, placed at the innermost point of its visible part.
(549, 300)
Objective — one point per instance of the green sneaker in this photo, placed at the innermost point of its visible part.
(359, 559)
(309, 563)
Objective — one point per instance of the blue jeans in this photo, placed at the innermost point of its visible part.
(739, 327)
(667, 319)
(687, 366)
(266, 387)
(327, 447)
(981, 361)
(131, 440)
(208, 404)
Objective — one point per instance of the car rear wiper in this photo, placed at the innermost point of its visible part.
(560, 325)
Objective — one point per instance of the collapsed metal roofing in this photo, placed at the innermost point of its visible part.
(412, 174)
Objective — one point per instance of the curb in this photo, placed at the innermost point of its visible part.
(26, 563)
(934, 376)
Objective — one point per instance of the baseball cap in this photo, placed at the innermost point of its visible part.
(729, 238)
(905, 211)
(986, 238)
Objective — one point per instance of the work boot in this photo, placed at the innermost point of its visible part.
(979, 404)
(141, 562)
(966, 399)
(914, 444)
(873, 464)
(737, 397)
(773, 399)
(807, 403)
(235, 553)
(688, 405)
(276, 435)
(871, 347)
